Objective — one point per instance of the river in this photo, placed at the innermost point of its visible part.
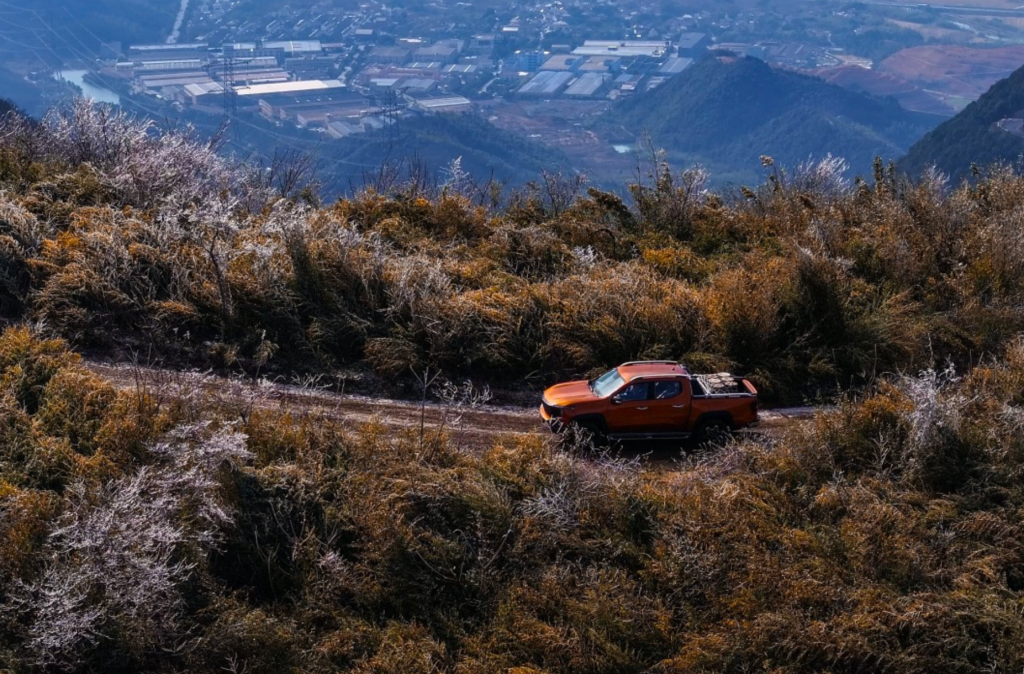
(98, 94)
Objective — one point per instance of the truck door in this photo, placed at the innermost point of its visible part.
(670, 406)
(630, 409)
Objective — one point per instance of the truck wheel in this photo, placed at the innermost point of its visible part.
(714, 434)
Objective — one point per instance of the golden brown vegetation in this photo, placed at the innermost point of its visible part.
(148, 530)
(806, 283)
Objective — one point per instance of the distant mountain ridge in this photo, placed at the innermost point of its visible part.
(727, 112)
(982, 134)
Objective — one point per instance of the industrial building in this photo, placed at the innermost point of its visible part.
(204, 93)
(339, 129)
(288, 89)
(295, 47)
(546, 83)
(626, 48)
(309, 65)
(437, 52)
(675, 65)
(528, 61)
(157, 82)
(307, 103)
(461, 69)
(482, 44)
(693, 44)
(419, 84)
(448, 104)
(396, 55)
(589, 85)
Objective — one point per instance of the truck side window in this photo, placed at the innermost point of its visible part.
(663, 390)
(631, 393)
(698, 388)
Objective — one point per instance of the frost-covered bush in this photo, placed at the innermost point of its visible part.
(120, 557)
(141, 165)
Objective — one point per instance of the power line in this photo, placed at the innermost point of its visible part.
(228, 79)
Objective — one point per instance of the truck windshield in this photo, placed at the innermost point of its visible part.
(607, 384)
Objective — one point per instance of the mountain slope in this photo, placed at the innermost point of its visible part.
(426, 143)
(973, 137)
(80, 25)
(727, 112)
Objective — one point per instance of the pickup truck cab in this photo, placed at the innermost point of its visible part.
(652, 400)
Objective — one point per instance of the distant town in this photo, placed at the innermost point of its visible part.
(348, 72)
(346, 88)
(548, 72)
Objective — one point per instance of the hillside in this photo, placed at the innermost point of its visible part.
(973, 137)
(86, 23)
(726, 113)
(428, 144)
(485, 151)
(178, 522)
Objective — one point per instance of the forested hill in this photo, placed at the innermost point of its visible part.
(974, 136)
(725, 113)
(427, 144)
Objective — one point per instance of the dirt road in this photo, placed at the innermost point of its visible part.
(480, 426)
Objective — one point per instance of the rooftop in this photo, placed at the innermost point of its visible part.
(204, 88)
(561, 62)
(675, 65)
(622, 48)
(546, 83)
(587, 85)
(447, 102)
(691, 40)
(289, 87)
(295, 46)
(198, 46)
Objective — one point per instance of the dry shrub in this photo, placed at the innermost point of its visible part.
(744, 306)
(680, 263)
(533, 253)
(92, 280)
(242, 638)
(340, 278)
(287, 543)
(24, 525)
(392, 357)
(21, 235)
(74, 405)
(568, 619)
(131, 422)
(404, 649)
(617, 313)
(804, 283)
(28, 363)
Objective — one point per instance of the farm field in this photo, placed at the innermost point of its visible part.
(910, 96)
(954, 72)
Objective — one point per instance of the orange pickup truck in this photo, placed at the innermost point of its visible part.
(652, 399)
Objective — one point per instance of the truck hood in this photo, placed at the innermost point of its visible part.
(570, 393)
